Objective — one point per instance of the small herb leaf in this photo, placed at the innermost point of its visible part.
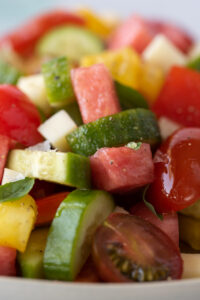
(14, 190)
(134, 146)
(149, 205)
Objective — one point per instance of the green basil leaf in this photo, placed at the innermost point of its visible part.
(150, 206)
(14, 190)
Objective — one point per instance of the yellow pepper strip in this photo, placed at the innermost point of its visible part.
(17, 219)
(124, 65)
(151, 81)
(99, 25)
(189, 231)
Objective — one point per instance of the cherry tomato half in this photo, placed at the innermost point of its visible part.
(19, 118)
(177, 167)
(129, 249)
(24, 39)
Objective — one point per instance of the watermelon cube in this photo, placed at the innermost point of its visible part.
(95, 92)
(122, 169)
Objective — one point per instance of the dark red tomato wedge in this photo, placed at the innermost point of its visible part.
(88, 273)
(19, 118)
(129, 249)
(24, 39)
(138, 32)
(5, 145)
(177, 167)
(122, 169)
(47, 208)
(169, 224)
(7, 261)
(95, 92)
(179, 99)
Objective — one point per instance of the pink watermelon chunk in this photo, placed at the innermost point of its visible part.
(122, 169)
(169, 224)
(95, 92)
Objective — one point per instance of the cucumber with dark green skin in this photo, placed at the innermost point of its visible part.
(8, 73)
(71, 232)
(194, 64)
(73, 110)
(58, 84)
(138, 125)
(129, 98)
(31, 261)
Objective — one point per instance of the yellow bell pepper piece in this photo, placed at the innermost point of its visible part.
(17, 220)
(124, 65)
(151, 81)
(99, 25)
(189, 230)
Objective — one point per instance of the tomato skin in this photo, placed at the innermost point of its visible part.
(137, 240)
(169, 224)
(19, 118)
(24, 39)
(177, 165)
(7, 261)
(47, 208)
(179, 98)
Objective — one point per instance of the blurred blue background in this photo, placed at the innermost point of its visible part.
(184, 12)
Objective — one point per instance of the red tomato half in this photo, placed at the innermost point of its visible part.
(177, 167)
(179, 99)
(47, 208)
(128, 249)
(169, 224)
(19, 118)
(24, 39)
(7, 261)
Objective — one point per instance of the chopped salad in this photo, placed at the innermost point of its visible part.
(99, 149)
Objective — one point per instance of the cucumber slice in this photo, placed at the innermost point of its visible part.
(138, 125)
(31, 261)
(70, 236)
(71, 41)
(73, 110)
(129, 98)
(194, 64)
(64, 168)
(8, 73)
(57, 80)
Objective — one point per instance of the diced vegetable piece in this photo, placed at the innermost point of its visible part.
(31, 261)
(194, 51)
(24, 39)
(34, 87)
(47, 208)
(56, 128)
(73, 110)
(194, 64)
(191, 265)
(58, 85)
(160, 49)
(124, 65)
(8, 73)
(151, 81)
(116, 130)
(64, 168)
(129, 97)
(192, 210)
(95, 92)
(167, 127)
(122, 169)
(133, 32)
(19, 118)
(70, 236)
(11, 176)
(179, 98)
(71, 41)
(169, 224)
(97, 24)
(189, 231)
(88, 272)
(7, 261)
(5, 144)
(17, 219)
